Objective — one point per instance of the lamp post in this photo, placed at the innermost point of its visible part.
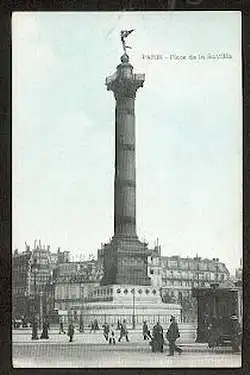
(133, 315)
(40, 309)
(34, 268)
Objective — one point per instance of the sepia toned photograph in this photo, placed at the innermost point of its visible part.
(127, 189)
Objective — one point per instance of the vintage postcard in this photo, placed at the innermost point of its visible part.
(127, 189)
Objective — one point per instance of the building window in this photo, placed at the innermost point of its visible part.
(151, 272)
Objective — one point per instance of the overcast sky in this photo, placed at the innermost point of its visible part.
(188, 131)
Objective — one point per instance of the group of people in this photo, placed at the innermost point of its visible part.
(71, 330)
(45, 329)
(156, 337)
(157, 340)
(109, 332)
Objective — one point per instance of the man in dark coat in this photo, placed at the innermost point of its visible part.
(123, 331)
(118, 327)
(71, 331)
(157, 340)
(34, 329)
(105, 330)
(45, 334)
(172, 335)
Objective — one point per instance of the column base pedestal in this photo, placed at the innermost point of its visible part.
(125, 261)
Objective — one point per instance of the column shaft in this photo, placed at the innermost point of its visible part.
(125, 171)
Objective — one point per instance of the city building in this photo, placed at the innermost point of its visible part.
(21, 282)
(73, 282)
(176, 276)
(32, 279)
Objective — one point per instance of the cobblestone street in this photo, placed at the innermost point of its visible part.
(91, 350)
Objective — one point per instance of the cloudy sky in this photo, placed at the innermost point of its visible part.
(188, 130)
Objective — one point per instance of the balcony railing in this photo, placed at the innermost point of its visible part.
(135, 77)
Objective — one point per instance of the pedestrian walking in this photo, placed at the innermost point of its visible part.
(157, 339)
(111, 335)
(96, 326)
(92, 326)
(236, 334)
(172, 335)
(123, 331)
(45, 334)
(145, 331)
(71, 331)
(105, 330)
(118, 327)
(34, 329)
(81, 325)
(61, 330)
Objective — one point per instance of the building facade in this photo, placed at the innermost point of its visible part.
(21, 283)
(44, 281)
(32, 280)
(73, 282)
(176, 276)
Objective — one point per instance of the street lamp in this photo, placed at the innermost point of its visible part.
(34, 268)
(133, 315)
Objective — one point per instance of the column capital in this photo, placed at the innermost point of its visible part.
(125, 83)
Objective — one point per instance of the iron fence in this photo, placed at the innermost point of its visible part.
(87, 319)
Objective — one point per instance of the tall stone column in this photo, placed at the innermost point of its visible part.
(125, 257)
(124, 84)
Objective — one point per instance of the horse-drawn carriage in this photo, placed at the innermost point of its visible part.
(218, 315)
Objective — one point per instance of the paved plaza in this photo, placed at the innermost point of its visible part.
(91, 350)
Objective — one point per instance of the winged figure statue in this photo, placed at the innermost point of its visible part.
(124, 34)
